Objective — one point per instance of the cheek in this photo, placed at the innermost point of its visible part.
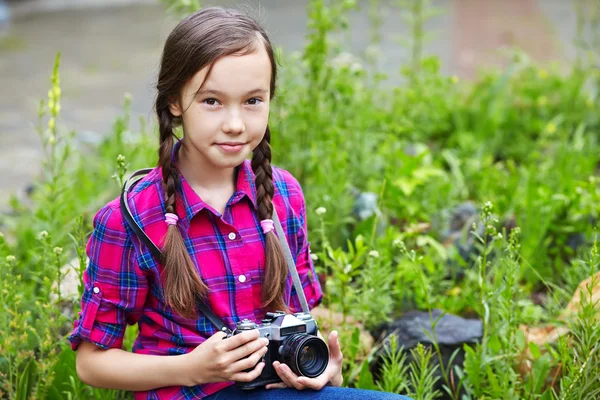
(198, 121)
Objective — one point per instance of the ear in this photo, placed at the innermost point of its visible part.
(175, 108)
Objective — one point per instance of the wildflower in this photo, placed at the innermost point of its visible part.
(374, 254)
(454, 79)
(499, 236)
(58, 250)
(51, 123)
(320, 211)
(551, 128)
(455, 291)
(43, 235)
(11, 259)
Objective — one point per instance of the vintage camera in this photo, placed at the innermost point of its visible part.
(293, 341)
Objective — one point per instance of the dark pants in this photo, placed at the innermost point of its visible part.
(327, 393)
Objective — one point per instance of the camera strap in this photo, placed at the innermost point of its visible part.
(290, 262)
(202, 307)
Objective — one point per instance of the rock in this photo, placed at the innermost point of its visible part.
(451, 333)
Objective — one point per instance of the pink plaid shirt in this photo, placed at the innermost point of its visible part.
(122, 280)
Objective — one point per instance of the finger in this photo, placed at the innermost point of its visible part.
(280, 385)
(247, 349)
(335, 351)
(217, 337)
(249, 376)
(284, 379)
(249, 362)
(313, 383)
(240, 339)
(288, 376)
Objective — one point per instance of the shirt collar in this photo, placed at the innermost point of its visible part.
(189, 203)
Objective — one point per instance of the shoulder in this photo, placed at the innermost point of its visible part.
(286, 184)
(289, 196)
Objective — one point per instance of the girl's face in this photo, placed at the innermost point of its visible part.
(227, 118)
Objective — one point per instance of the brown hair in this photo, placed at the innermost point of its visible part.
(197, 42)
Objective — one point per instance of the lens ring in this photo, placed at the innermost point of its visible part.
(305, 354)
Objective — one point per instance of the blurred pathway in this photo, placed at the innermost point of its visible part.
(107, 51)
(482, 28)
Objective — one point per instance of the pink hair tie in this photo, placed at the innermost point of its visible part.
(267, 225)
(171, 218)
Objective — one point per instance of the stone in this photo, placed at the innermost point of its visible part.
(451, 332)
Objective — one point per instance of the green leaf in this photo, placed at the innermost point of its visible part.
(365, 378)
(535, 350)
(27, 380)
(540, 369)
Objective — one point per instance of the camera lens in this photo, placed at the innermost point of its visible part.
(306, 355)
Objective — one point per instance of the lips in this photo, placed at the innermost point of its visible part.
(231, 147)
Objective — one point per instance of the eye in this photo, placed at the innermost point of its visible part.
(211, 101)
(254, 101)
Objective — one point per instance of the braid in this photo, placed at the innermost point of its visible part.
(181, 280)
(275, 264)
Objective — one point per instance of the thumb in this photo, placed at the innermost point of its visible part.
(334, 345)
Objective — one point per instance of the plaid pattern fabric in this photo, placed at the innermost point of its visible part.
(122, 280)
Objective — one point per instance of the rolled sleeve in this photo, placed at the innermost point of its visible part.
(304, 265)
(115, 289)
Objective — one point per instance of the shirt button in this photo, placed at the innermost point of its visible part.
(242, 278)
(96, 290)
(231, 236)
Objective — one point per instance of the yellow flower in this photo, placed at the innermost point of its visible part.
(455, 291)
(51, 123)
(551, 128)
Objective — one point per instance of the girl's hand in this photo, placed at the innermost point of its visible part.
(221, 360)
(332, 374)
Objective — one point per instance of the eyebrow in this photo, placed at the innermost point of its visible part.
(223, 94)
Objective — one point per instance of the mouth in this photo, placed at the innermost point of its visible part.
(231, 147)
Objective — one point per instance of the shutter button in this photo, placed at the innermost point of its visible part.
(242, 278)
(231, 236)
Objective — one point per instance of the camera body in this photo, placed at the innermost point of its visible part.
(292, 341)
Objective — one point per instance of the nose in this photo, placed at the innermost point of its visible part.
(234, 124)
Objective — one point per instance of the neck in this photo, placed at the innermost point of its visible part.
(201, 175)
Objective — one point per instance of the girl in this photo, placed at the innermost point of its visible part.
(208, 208)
